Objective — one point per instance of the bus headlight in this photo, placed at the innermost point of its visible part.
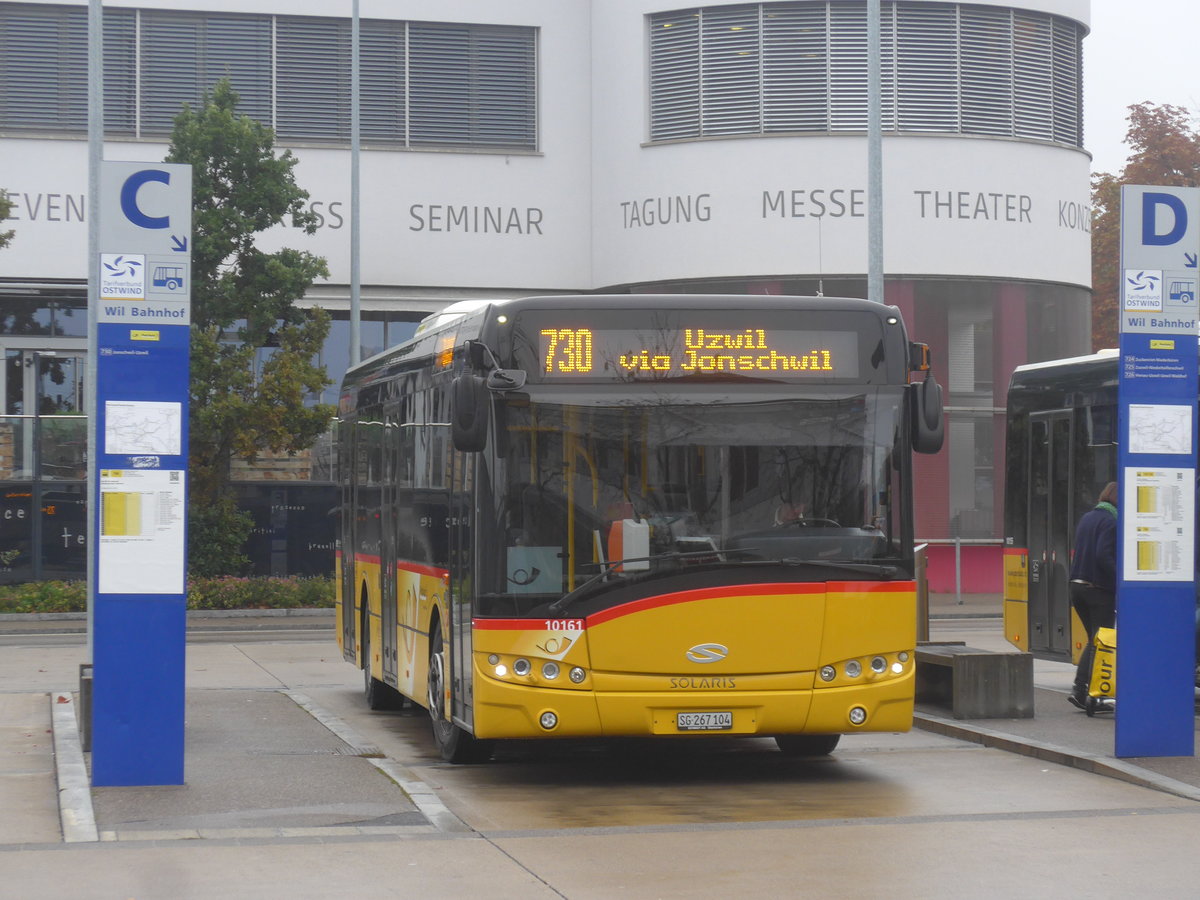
(878, 665)
(549, 670)
(828, 673)
(853, 668)
(522, 667)
(577, 675)
(858, 715)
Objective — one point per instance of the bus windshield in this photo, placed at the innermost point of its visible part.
(582, 481)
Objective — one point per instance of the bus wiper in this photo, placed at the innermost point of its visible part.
(887, 571)
(606, 569)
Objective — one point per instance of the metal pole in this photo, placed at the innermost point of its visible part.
(958, 570)
(874, 158)
(95, 154)
(355, 233)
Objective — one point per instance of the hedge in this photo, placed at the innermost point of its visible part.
(203, 593)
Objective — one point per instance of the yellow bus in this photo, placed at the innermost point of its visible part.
(635, 515)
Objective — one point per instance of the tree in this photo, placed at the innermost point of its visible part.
(6, 206)
(1166, 151)
(252, 350)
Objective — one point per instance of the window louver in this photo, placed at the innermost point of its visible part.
(120, 66)
(945, 68)
(795, 66)
(987, 70)
(470, 86)
(383, 112)
(422, 84)
(313, 79)
(926, 75)
(43, 54)
(184, 55)
(675, 85)
(730, 61)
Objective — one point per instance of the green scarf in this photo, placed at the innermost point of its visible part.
(1107, 507)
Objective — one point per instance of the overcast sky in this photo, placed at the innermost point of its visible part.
(1137, 50)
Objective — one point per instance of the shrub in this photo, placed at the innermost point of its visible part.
(44, 596)
(203, 593)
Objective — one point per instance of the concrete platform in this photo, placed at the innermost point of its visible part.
(278, 790)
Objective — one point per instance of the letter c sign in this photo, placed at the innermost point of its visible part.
(129, 204)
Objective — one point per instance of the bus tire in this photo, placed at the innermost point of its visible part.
(806, 744)
(379, 694)
(455, 745)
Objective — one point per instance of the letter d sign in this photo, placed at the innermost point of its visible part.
(1151, 202)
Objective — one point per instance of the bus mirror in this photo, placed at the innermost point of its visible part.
(928, 424)
(469, 415)
(506, 379)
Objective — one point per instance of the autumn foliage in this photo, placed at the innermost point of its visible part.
(1164, 150)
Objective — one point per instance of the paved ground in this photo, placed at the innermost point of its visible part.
(281, 792)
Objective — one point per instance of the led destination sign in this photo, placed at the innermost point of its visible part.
(632, 354)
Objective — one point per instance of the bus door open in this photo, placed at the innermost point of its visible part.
(1050, 531)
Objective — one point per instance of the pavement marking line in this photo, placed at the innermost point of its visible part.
(74, 784)
(419, 792)
(1056, 753)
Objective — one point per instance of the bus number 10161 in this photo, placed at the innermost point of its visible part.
(568, 350)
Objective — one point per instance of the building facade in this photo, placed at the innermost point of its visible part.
(573, 146)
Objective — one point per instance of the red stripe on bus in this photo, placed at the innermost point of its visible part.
(749, 590)
(1015, 551)
(739, 590)
(420, 569)
(415, 568)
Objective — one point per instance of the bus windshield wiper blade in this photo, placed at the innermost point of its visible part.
(606, 569)
(887, 570)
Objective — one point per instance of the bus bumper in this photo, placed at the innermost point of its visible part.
(517, 711)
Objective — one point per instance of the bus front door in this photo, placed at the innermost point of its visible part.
(1050, 530)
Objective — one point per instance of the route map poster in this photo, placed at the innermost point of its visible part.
(143, 427)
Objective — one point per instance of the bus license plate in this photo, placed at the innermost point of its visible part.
(704, 721)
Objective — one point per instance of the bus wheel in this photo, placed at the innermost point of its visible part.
(807, 744)
(380, 695)
(456, 745)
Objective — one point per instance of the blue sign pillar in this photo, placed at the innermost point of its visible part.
(1156, 599)
(138, 492)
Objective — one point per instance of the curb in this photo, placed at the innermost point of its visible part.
(1056, 753)
(75, 810)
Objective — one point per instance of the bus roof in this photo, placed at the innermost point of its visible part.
(1098, 356)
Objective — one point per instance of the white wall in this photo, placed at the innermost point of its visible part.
(952, 206)
(574, 215)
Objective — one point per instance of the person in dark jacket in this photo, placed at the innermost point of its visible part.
(1094, 581)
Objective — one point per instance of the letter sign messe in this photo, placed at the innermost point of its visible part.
(1160, 243)
(139, 494)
